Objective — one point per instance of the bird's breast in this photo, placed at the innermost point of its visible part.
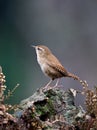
(41, 62)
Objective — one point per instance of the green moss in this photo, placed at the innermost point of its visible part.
(51, 107)
(44, 109)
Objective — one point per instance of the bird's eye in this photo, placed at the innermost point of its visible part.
(39, 49)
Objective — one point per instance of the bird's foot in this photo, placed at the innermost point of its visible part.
(46, 88)
(58, 86)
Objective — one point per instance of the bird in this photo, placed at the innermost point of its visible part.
(50, 65)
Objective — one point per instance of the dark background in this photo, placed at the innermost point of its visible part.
(67, 27)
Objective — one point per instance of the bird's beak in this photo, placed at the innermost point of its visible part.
(33, 46)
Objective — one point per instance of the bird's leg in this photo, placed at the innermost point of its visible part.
(56, 83)
(47, 85)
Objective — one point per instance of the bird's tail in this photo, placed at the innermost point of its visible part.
(83, 82)
(73, 76)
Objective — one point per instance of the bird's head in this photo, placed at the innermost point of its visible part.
(42, 50)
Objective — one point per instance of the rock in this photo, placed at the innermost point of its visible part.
(53, 109)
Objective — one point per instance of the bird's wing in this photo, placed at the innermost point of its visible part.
(59, 68)
(55, 64)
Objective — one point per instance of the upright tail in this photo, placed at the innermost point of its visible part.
(73, 76)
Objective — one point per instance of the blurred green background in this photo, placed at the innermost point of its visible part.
(68, 28)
